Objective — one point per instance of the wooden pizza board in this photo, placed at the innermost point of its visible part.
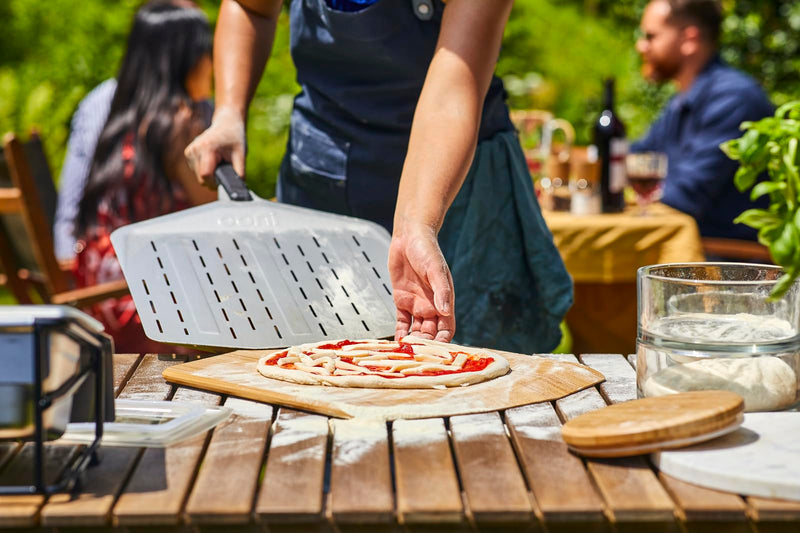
(531, 379)
(650, 424)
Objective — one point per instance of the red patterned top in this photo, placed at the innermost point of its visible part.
(96, 261)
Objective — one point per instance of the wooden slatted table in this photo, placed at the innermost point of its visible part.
(270, 468)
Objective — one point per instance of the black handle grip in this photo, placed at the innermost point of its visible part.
(232, 183)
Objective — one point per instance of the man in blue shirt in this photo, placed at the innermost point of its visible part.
(679, 43)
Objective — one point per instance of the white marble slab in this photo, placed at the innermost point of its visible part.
(761, 458)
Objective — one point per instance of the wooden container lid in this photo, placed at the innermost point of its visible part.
(651, 424)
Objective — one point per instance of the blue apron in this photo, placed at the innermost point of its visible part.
(361, 74)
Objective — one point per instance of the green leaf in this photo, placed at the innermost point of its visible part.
(756, 149)
(766, 187)
(785, 109)
(731, 149)
(748, 143)
(785, 247)
(784, 284)
(744, 178)
(759, 218)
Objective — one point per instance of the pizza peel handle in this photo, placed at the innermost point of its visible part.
(234, 185)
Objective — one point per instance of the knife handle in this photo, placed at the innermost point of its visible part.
(233, 184)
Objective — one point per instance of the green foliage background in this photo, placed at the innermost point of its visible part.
(555, 55)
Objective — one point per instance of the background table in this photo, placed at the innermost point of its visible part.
(602, 253)
(274, 469)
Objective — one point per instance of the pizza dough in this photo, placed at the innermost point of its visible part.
(412, 363)
(766, 383)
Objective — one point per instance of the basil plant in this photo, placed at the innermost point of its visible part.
(771, 145)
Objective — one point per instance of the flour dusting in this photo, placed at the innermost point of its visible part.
(249, 409)
(352, 439)
(295, 430)
(538, 421)
(411, 433)
(312, 453)
(469, 427)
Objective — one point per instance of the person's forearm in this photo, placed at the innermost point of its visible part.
(242, 44)
(441, 147)
(445, 128)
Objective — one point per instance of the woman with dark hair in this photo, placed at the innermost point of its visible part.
(138, 171)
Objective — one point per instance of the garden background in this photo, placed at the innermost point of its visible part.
(555, 54)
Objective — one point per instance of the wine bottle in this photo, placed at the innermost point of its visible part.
(612, 147)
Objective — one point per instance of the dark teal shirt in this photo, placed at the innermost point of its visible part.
(700, 176)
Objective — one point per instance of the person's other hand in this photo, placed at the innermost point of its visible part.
(224, 140)
(422, 285)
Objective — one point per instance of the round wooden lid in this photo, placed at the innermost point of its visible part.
(650, 424)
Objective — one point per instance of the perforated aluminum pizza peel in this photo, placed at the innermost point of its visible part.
(243, 272)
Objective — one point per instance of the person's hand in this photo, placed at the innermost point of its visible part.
(422, 284)
(224, 140)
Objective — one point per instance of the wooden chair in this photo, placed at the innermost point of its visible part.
(27, 209)
(736, 250)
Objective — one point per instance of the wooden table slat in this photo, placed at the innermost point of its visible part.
(620, 383)
(147, 383)
(699, 504)
(225, 487)
(631, 490)
(492, 481)
(558, 479)
(158, 488)
(124, 367)
(92, 507)
(292, 489)
(427, 484)
(580, 402)
(773, 510)
(361, 480)
(23, 510)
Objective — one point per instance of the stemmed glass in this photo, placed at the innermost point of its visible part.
(646, 172)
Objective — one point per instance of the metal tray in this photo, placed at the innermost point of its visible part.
(249, 273)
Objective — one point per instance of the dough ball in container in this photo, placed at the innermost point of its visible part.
(766, 383)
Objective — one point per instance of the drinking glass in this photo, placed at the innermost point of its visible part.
(713, 326)
(646, 171)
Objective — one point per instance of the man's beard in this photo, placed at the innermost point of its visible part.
(660, 72)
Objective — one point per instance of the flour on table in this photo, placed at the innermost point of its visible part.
(469, 427)
(538, 421)
(352, 439)
(411, 433)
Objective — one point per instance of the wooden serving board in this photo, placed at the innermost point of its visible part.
(650, 424)
(531, 379)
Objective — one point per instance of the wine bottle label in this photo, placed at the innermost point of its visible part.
(618, 177)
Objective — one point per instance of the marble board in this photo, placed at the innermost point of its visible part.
(761, 458)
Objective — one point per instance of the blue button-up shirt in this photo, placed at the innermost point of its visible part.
(700, 176)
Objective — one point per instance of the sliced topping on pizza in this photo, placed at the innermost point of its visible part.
(389, 359)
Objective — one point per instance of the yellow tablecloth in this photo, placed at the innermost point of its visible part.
(609, 248)
(602, 253)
